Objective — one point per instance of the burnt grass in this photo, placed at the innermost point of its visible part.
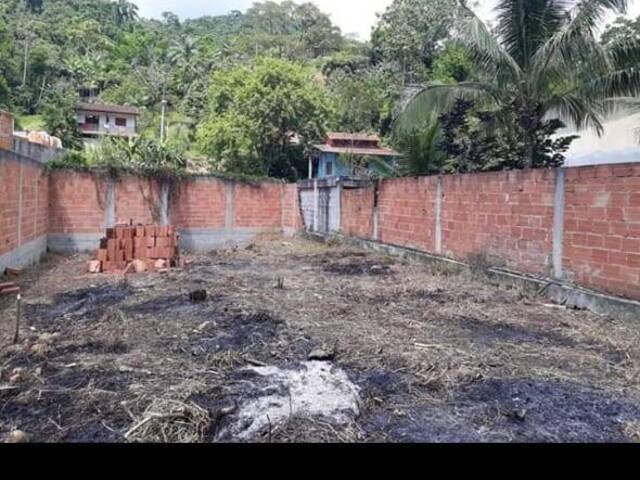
(438, 356)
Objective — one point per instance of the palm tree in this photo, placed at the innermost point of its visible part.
(183, 51)
(544, 59)
(125, 12)
(420, 149)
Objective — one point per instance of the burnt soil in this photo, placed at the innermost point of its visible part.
(438, 356)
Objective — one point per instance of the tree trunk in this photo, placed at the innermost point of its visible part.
(26, 62)
(528, 153)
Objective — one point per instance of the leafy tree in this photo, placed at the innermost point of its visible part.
(291, 30)
(34, 5)
(365, 100)
(254, 114)
(453, 65)
(59, 115)
(545, 61)
(410, 33)
(622, 30)
(476, 140)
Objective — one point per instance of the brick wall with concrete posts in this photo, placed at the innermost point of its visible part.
(208, 212)
(580, 225)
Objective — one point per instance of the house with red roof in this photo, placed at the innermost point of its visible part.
(349, 155)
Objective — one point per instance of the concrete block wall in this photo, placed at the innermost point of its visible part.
(580, 225)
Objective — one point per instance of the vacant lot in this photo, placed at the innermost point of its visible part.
(405, 353)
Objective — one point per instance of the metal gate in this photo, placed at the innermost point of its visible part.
(320, 204)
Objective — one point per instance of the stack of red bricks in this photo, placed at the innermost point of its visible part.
(137, 248)
(9, 288)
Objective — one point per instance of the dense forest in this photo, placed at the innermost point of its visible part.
(240, 87)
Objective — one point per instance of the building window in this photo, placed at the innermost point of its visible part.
(92, 120)
(121, 122)
(329, 168)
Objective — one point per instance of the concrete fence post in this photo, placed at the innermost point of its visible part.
(164, 203)
(558, 224)
(230, 207)
(376, 220)
(439, 202)
(339, 206)
(36, 193)
(316, 206)
(110, 207)
(20, 202)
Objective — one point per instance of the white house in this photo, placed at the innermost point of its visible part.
(620, 142)
(96, 120)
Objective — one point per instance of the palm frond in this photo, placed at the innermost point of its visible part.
(577, 40)
(525, 25)
(484, 48)
(433, 99)
(576, 111)
(420, 147)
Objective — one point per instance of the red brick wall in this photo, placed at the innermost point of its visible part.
(35, 203)
(505, 218)
(291, 216)
(76, 203)
(198, 203)
(6, 130)
(407, 212)
(9, 175)
(34, 218)
(78, 200)
(258, 206)
(356, 212)
(137, 200)
(602, 228)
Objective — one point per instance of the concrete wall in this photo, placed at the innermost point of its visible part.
(35, 151)
(576, 225)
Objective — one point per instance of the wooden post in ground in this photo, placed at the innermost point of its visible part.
(16, 337)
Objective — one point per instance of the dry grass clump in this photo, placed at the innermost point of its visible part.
(171, 421)
(632, 430)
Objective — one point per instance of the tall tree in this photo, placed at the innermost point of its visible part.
(546, 62)
(125, 12)
(261, 118)
(410, 33)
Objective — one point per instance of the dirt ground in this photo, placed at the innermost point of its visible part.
(436, 356)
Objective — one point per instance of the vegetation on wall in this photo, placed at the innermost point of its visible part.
(115, 157)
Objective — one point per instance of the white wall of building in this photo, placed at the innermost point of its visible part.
(109, 119)
(620, 143)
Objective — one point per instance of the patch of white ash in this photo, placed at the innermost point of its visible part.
(312, 390)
